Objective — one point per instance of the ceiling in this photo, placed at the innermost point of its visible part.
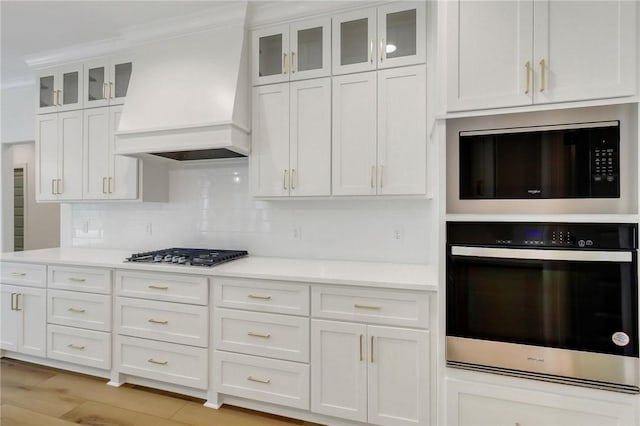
(30, 28)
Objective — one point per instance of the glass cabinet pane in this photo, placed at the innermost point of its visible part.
(46, 91)
(96, 84)
(121, 79)
(401, 34)
(70, 85)
(354, 42)
(270, 55)
(309, 49)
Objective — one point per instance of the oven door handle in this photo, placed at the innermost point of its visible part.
(538, 254)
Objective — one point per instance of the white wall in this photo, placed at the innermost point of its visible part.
(210, 206)
(18, 114)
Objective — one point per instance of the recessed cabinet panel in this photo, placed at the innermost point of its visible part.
(401, 34)
(354, 41)
(125, 170)
(270, 53)
(70, 140)
(96, 144)
(46, 156)
(310, 46)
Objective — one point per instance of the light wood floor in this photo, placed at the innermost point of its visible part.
(33, 395)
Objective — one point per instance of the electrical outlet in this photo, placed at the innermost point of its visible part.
(398, 233)
(149, 229)
(296, 232)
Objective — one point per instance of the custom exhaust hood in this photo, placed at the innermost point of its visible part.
(189, 97)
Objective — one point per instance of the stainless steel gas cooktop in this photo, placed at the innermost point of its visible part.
(188, 256)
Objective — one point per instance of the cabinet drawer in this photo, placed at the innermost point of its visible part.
(93, 280)
(75, 309)
(262, 379)
(372, 306)
(171, 322)
(85, 347)
(166, 362)
(159, 286)
(276, 336)
(23, 274)
(262, 295)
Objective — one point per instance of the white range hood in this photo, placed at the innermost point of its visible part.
(189, 97)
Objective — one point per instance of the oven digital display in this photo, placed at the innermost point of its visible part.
(536, 234)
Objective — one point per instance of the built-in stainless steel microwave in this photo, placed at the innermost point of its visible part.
(578, 160)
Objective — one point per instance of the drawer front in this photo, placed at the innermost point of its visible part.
(262, 379)
(261, 295)
(159, 286)
(170, 322)
(255, 333)
(93, 280)
(75, 309)
(372, 306)
(85, 347)
(166, 362)
(23, 274)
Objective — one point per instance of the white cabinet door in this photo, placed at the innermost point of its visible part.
(398, 376)
(354, 41)
(402, 132)
(120, 70)
(123, 170)
(70, 87)
(310, 143)
(96, 83)
(584, 50)
(310, 48)
(401, 34)
(8, 318)
(270, 53)
(32, 324)
(46, 93)
(354, 134)
(46, 157)
(339, 369)
(96, 148)
(489, 54)
(270, 143)
(70, 155)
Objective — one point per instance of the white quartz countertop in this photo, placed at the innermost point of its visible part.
(369, 274)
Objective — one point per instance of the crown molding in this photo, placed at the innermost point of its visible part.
(263, 13)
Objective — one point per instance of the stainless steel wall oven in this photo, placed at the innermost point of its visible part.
(555, 301)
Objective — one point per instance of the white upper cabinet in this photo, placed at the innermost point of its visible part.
(106, 81)
(59, 89)
(291, 52)
(518, 53)
(387, 36)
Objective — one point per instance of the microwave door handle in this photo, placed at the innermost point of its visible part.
(537, 254)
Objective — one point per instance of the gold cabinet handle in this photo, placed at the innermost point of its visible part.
(263, 335)
(110, 90)
(371, 51)
(155, 321)
(18, 274)
(259, 380)
(542, 75)
(373, 168)
(371, 349)
(58, 97)
(77, 310)
(284, 179)
(78, 347)
(257, 296)
(381, 48)
(381, 176)
(13, 302)
(58, 185)
(104, 180)
(527, 68)
(154, 361)
(361, 347)
(359, 306)
(159, 287)
(77, 280)
(284, 63)
(18, 308)
(53, 186)
(110, 186)
(293, 62)
(293, 178)
(104, 90)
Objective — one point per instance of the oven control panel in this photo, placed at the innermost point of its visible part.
(581, 236)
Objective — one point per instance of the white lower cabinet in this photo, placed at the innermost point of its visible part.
(370, 373)
(79, 346)
(481, 404)
(23, 319)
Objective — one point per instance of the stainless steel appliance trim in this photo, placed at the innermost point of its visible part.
(575, 365)
(541, 254)
(539, 128)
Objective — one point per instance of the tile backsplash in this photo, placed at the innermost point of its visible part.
(210, 206)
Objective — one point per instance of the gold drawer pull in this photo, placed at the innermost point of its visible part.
(78, 347)
(78, 280)
(256, 379)
(153, 361)
(264, 335)
(18, 274)
(159, 287)
(155, 321)
(80, 311)
(357, 305)
(257, 296)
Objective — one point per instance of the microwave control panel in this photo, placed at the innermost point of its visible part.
(605, 161)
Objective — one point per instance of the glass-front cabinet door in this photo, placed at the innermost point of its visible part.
(96, 84)
(47, 93)
(120, 72)
(270, 55)
(354, 41)
(310, 43)
(401, 34)
(59, 89)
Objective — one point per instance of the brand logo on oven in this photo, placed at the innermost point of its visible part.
(534, 191)
(620, 338)
(535, 359)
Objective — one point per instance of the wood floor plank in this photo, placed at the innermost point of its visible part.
(23, 375)
(11, 415)
(97, 413)
(196, 414)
